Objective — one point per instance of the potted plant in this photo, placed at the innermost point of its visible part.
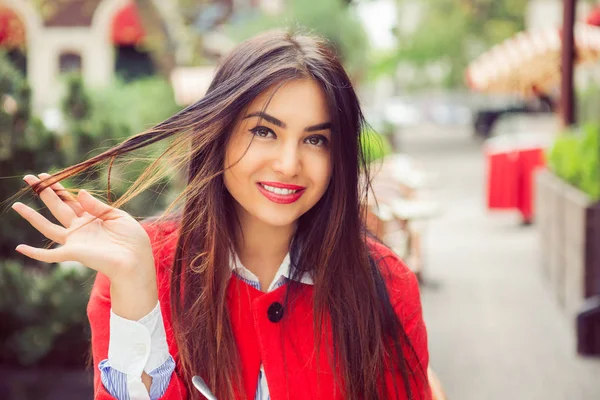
(568, 216)
(45, 333)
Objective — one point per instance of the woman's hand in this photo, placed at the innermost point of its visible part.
(111, 242)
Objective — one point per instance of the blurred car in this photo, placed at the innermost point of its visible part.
(486, 118)
(524, 128)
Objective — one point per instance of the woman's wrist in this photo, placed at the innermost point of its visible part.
(134, 298)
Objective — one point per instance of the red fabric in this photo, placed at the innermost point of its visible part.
(593, 17)
(502, 173)
(127, 26)
(510, 179)
(12, 30)
(529, 161)
(286, 349)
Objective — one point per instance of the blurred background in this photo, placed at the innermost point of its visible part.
(484, 136)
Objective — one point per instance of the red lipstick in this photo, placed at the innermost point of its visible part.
(281, 198)
(282, 185)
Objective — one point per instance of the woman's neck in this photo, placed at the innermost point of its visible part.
(261, 248)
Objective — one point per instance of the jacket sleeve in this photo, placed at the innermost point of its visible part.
(130, 343)
(99, 307)
(409, 310)
(98, 311)
(403, 289)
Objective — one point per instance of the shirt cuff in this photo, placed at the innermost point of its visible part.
(137, 346)
(120, 387)
(159, 349)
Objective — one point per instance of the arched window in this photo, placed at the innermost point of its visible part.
(69, 61)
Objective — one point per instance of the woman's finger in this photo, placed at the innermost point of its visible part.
(52, 231)
(97, 208)
(61, 211)
(65, 195)
(58, 254)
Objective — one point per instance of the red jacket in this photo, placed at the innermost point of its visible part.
(259, 339)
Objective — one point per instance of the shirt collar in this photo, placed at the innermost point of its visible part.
(283, 273)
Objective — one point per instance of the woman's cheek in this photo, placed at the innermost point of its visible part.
(319, 169)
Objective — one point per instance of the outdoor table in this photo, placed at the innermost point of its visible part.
(415, 209)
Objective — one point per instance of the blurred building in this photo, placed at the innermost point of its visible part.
(99, 38)
(89, 36)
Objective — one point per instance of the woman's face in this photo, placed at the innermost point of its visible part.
(277, 161)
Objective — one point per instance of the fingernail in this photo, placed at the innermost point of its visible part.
(17, 248)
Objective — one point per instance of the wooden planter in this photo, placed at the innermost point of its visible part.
(569, 227)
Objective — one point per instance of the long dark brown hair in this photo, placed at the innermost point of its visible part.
(349, 289)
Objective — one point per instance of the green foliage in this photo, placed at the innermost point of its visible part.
(14, 106)
(12, 81)
(451, 34)
(588, 104)
(115, 113)
(103, 118)
(76, 103)
(332, 19)
(575, 157)
(42, 307)
(43, 315)
(136, 105)
(94, 121)
(374, 146)
(26, 146)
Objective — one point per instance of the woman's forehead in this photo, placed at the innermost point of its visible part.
(299, 99)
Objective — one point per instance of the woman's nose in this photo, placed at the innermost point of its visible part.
(287, 161)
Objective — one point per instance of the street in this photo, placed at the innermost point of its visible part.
(495, 331)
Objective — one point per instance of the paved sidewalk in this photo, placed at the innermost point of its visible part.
(495, 331)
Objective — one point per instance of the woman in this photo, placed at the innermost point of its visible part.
(264, 283)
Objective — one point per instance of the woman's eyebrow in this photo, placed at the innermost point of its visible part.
(318, 127)
(275, 121)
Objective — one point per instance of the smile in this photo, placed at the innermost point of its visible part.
(280, 193)
(273, 189)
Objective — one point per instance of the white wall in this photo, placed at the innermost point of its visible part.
(97, 60)
(548, 13)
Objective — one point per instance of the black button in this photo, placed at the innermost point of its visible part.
(275, 312)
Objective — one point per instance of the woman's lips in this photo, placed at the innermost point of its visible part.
(281, 198)
(282, 185)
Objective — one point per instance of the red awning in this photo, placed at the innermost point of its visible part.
(529, 62)
(127, 26)
(593, 17)
(12, 30)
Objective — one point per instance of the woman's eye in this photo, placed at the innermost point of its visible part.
(262, 131)
(317, 140)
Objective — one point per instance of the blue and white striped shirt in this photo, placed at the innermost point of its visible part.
(124, 386)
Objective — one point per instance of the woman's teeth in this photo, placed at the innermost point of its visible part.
(279, 190)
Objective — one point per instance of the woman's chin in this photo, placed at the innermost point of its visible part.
(279, 221)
